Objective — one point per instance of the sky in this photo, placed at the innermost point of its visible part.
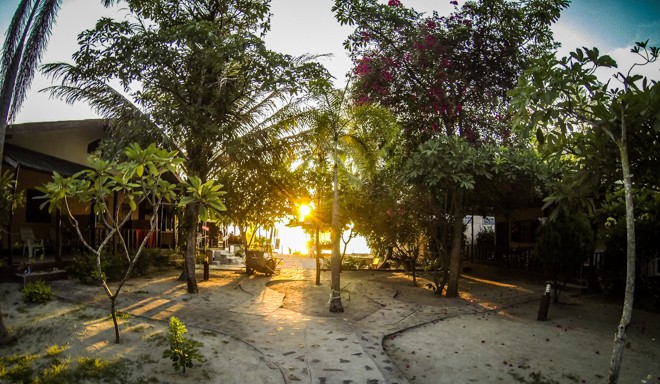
(308, 26)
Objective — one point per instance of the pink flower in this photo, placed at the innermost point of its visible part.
(362, 100)
(387, 76)
(430, 24)
(454, 3)
(363, 66)
(394, 3)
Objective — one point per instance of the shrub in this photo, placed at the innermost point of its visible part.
(37, 292)
(486, 236)
(84, 268)
(114, 266)
(183, 352)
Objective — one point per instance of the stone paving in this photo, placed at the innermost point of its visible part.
(306, 349)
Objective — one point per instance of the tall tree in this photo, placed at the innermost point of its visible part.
(25, 43)
(556, 97)
(446, 75)
(338, 126)
(199, 71)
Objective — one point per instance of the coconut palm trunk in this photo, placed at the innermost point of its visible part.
(335, 296)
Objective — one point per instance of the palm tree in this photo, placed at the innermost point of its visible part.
(26, 40)
(262, 129)
(25, 43)
(341, 126)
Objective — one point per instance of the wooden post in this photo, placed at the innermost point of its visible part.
(545, 304)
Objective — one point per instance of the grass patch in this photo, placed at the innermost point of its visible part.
(159, 339)
(17, 368)
(140, 328)
(58, 372)
(95, 368)
(145, 359)
(82, 314)
(55, 350)
(33, 369)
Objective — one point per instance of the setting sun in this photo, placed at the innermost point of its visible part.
(304, 210)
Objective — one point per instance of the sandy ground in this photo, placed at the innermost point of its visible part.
(489, 335)
(505, 346)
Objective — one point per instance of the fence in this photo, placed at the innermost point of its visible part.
(523, 258)
(132, 237)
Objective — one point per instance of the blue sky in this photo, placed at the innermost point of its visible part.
(308, 26)
(614, 23)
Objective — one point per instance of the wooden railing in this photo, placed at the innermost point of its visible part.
(511, 257)
(133, 237)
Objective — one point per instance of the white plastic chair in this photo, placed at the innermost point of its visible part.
(32, 245)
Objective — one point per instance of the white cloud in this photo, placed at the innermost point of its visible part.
(626, 59)
(572, 37)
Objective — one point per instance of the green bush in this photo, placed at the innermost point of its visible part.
(84, 269)
(37, 292)
(114, 266)
(486, 236)
(183, 352)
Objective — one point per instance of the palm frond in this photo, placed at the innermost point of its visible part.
(126, 117)
(34, 49)
(15, 34)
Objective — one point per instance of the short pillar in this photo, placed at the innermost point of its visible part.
(206, 270)
(545, 304)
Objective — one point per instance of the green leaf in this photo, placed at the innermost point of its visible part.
(132, 204)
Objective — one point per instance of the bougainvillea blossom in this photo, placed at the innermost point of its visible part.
(451, 70)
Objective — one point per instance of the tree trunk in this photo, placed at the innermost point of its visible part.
(189, 222)
(456, 241)
(626, 314)
(335, 296)
(413, 270)
(388, 257)
(317, 255)
(113, 308)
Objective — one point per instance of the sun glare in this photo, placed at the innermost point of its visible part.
(304, 210)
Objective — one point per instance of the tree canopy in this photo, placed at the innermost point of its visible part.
(196, 77)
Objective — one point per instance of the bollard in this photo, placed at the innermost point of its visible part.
(206, 270)
(545, 304)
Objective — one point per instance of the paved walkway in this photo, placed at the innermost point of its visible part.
(306, 349)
